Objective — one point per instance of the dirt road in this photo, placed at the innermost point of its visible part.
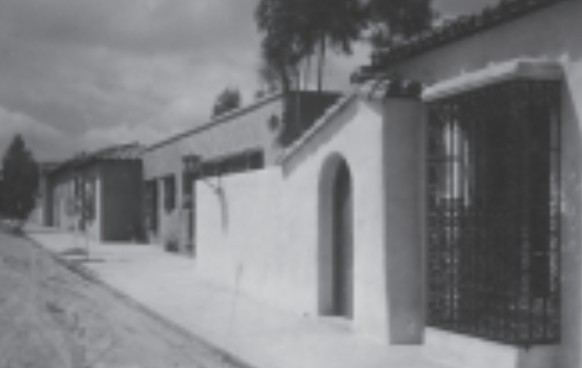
(52, 317)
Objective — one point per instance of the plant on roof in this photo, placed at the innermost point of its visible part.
(227, 100)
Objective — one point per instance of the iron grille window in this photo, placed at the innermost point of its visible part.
(493, 213)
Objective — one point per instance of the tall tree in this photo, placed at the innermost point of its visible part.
(20, 181)
(297, 29)
(283, 45)
(336, 24)
(228, 99)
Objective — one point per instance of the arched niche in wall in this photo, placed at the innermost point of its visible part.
(336, 238)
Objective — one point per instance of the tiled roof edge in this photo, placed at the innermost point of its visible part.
(460, 28)
(100, 155)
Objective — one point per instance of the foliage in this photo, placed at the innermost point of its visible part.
(268, 79)
(20, 181)
(296, 30)
(283, 45)
(229, 99)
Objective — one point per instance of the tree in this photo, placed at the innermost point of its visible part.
(295, 30)
(20, 181)
(336, 24)
(283, 45)
(229, 99)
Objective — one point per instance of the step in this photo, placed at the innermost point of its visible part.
(462, 351)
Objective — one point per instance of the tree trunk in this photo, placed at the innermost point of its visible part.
(321, 63)
(285, 81)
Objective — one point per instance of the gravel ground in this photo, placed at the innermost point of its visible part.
(52, 317)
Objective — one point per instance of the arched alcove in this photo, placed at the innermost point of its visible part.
(336, 238)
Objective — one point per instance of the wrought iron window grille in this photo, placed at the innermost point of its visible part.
(493, 198)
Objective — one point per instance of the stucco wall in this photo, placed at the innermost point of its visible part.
(240, 244)
(380, 141)
(553, 34)
(265, 232)
(356, 135)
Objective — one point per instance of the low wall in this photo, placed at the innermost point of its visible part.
(268, 233)
(240, 240)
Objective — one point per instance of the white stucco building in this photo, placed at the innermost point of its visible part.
(447, 217)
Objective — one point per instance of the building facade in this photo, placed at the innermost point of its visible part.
(241, 140)
(439, 204)
(98, 194)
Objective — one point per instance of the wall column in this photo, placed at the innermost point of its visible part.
(403, 188)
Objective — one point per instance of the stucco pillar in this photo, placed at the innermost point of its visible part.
(403, 178)
(571, 222)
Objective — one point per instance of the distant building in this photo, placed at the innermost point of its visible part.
(248, 138)
(97, 193)
(41, 213)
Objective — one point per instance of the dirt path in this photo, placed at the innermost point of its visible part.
(51, 317)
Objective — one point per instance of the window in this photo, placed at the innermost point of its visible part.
(151, 205)
(169, 193)
(493, 212)
(234, 163)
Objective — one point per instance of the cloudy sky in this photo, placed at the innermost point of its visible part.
(80, 74)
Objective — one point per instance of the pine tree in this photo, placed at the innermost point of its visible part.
(20, 181)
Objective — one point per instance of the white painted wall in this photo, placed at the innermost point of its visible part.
(357, 136)
(240, 244)
(262, 231)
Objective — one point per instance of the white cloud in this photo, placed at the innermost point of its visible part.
(82, 66)
(97, 71)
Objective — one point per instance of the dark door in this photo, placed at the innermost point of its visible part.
(343, 243)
